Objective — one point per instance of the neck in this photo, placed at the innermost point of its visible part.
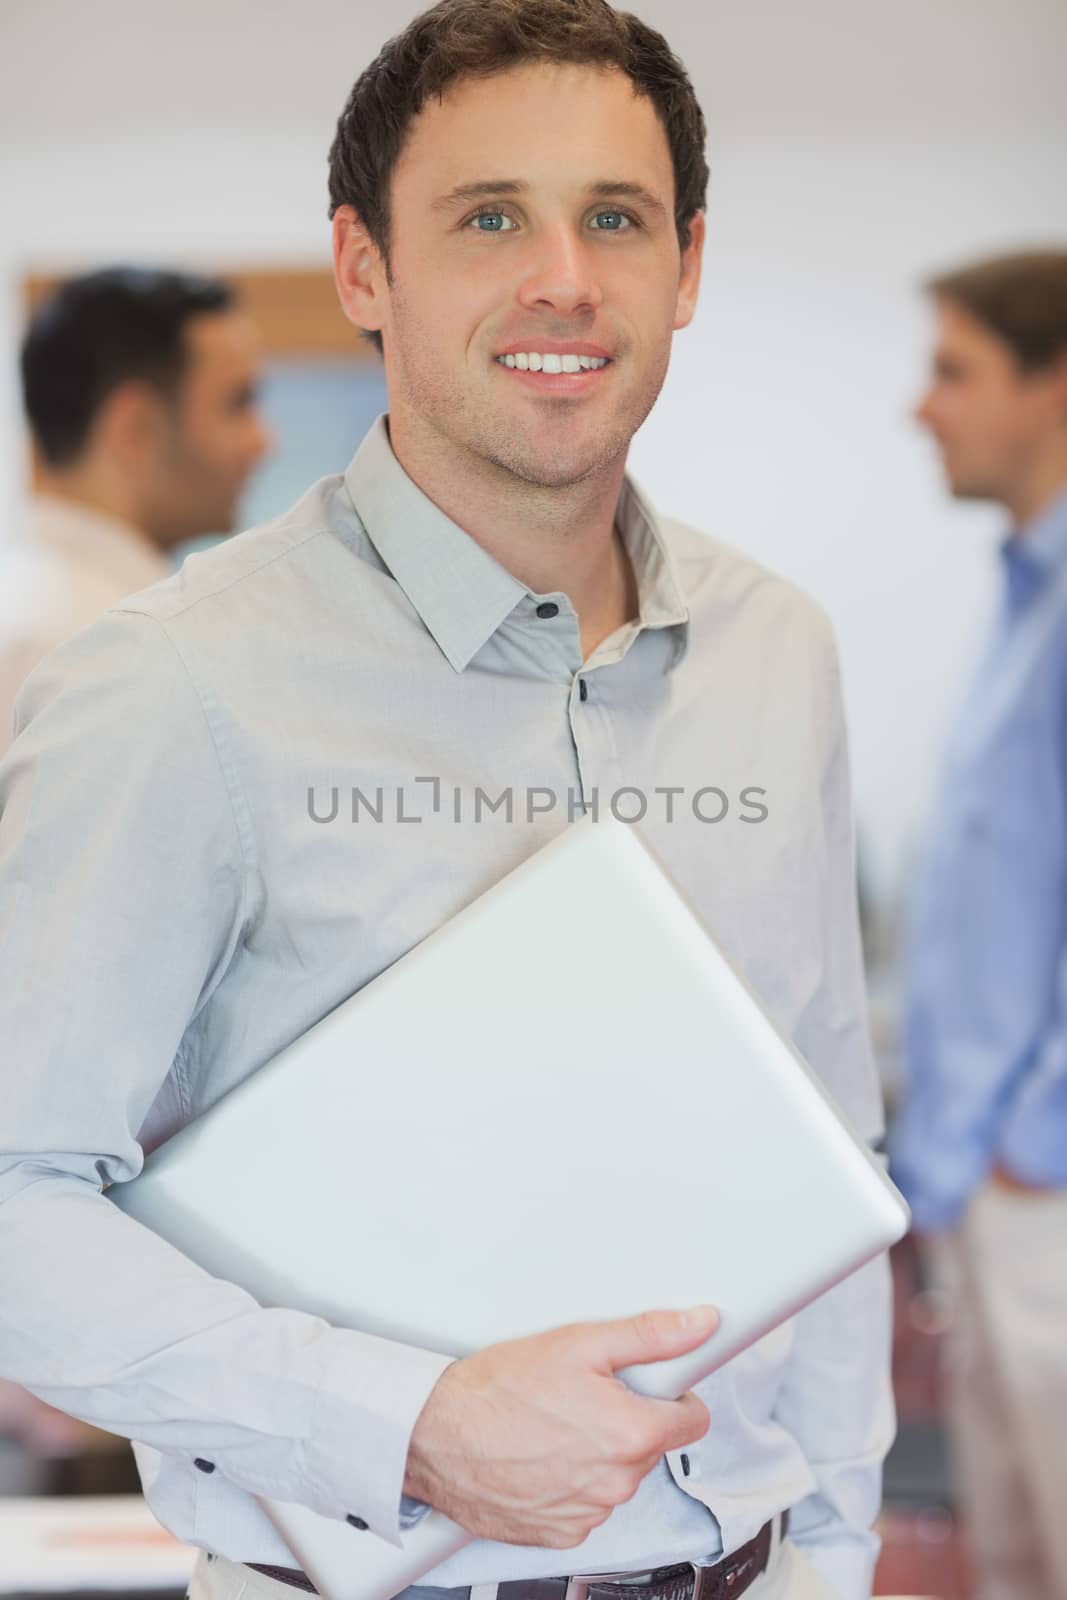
(95, 487)
(1046, 481)
(553, 540)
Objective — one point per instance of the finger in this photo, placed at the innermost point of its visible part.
(650, 1336)
(678, 1422)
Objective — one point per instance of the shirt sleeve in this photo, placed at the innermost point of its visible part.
(836, 1397)
(984, 1058)
(125, 888)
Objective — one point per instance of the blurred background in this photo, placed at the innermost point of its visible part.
(854, 149)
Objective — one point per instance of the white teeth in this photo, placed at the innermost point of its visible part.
(533, 361)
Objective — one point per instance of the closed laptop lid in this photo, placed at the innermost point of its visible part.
(563, 1104)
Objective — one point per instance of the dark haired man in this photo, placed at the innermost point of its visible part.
(484, 600)
(140, 390)
(981, 1142)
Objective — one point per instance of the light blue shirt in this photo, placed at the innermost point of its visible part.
(985, 1056)
(187, 884)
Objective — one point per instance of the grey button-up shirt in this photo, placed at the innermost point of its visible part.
(244, 793)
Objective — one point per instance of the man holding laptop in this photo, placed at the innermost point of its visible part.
(242, 795)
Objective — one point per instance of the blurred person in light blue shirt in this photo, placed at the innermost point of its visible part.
(980, 1143)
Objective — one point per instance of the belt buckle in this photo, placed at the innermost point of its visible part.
(578, 1588)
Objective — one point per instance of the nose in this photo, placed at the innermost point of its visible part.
(922, 409)
(561, 275)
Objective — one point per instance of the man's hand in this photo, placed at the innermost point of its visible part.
(535, 1441)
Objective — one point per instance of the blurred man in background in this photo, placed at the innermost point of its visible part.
(981, 1142)
(140, 390)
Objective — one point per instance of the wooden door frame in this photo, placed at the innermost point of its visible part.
(295, 308)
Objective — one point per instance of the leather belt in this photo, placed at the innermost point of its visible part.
(727, 1579)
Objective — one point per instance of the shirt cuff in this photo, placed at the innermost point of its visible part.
(412, 1511)
(370, 1396)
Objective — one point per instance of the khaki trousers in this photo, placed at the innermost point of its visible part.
(1005, 1271)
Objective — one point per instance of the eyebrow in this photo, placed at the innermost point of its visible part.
(603, 188)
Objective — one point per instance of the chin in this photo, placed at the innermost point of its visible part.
(226, 522)
(967, 489)
(551, 466)
(551, 473)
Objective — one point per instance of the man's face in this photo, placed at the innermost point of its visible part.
(570, 247)
(987, 416)
(211, 434)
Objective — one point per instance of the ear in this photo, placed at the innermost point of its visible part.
(689, 276)
(358, 270)
(131, 422)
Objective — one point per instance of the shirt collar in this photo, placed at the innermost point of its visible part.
(661, 601)
(459, 590)
(1037, 551)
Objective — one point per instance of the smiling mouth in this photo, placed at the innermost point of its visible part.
(551, 365)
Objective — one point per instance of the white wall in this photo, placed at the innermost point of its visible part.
(854, 147)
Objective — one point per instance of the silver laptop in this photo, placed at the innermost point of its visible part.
(562, 1105)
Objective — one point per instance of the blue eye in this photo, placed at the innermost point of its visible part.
(489, 221)
(496, 220)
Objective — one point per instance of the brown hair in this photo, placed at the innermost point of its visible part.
(478, 38)
(1022, 298)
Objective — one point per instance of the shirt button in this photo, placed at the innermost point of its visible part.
(548, 608)
(205, 1466)
(357, 1522)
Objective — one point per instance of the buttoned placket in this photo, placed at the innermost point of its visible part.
(596, 757)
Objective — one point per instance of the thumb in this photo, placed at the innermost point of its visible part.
(650, 1336)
